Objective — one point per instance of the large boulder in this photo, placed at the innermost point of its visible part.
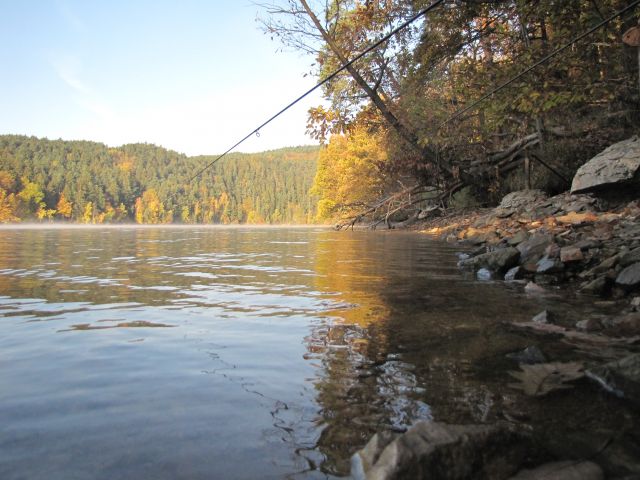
(437, 450)
(618, 164)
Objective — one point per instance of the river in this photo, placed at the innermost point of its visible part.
(233, 353)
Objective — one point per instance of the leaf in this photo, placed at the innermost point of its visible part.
(540, 379)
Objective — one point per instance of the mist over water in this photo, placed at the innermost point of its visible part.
(130, 352)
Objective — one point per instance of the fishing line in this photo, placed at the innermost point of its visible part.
(256, 131)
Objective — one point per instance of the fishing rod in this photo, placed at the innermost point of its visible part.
(256, 131)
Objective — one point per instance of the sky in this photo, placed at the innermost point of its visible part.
(193, 76)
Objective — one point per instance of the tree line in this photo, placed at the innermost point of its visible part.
(88, 182)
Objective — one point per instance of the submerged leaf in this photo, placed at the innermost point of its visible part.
(540, 379)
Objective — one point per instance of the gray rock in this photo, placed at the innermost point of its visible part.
(599, 286)
(571, 254)
(484, 274)
(630, 258)
(518, 238)
(530, 355)
(618, 164)
(589, 325)
(522, 199)
(622, 378)
(544, 317)
(497, 261)
(438, 450)
(533, 248)
(629, 278)
(534, 288)
(515, 273)
(588, 243)
(625, 325)
(567, 470)
(549, 265)
(603, 267)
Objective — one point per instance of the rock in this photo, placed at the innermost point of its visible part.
(567, 470)
(552, 251)
(544, 317)
(630, 258)
(484, 274)
(626, 325)
(515, 273)
(497, 261)
(629, 278)
(571, 254)
(622, 377)
(603, 267)
(533, 248)
(438, 450)
(522, 199)
(518, 238)
(529, 356)
(549, 265)
(588, 243)
(364, 460)
(599, 286)
(616, 165)
(532, 287)
(635, 302)
(589, 325)
(463, 256)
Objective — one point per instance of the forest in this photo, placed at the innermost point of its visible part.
(470, 100)
(88, 182)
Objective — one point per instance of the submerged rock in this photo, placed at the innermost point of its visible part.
(529, 356)
(544, 317)
(618, 164)
(484, 274)
(567, 470)
(626, 325)
(438, 450)
(622, 378)
(532, 287)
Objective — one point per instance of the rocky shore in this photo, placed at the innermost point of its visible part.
(586, 241)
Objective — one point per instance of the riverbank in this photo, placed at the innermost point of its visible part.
(580, 242)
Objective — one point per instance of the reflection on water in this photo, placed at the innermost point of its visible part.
(241, 353)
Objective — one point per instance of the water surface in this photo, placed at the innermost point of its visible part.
(196, 353)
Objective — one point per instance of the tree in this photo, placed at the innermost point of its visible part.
(348, 177)
(30, 197)
(64, 207)
(7, 207)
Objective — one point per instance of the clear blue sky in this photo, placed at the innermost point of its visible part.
(190, 75)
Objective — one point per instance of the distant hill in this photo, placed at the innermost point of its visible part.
(89, 182)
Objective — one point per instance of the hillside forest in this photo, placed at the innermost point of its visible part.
(87, 182)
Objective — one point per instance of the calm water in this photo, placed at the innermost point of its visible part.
(202, 353)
